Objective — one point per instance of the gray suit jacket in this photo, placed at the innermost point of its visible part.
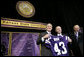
(44, 50)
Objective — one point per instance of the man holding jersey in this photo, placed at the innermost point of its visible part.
(59, 43)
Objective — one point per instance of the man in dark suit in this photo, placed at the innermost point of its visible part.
(77, 39)
(41, 40)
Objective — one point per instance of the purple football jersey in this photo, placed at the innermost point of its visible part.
(58, 45)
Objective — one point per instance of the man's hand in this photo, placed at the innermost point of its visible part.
(46, 36)
(69, 40)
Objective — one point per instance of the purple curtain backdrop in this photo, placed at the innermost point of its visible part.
(5, 41)
(24, 44)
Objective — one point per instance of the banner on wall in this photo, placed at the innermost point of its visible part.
(14, 23)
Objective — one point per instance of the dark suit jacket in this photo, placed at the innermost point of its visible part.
(44, 50)
(75, 46)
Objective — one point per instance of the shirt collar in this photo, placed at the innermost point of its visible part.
(48, 32)
(76, 32)
(59, 34)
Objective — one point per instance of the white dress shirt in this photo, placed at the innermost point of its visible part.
(76, 33)
(60, 34)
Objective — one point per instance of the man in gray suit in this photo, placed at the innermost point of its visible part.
(41, 40)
